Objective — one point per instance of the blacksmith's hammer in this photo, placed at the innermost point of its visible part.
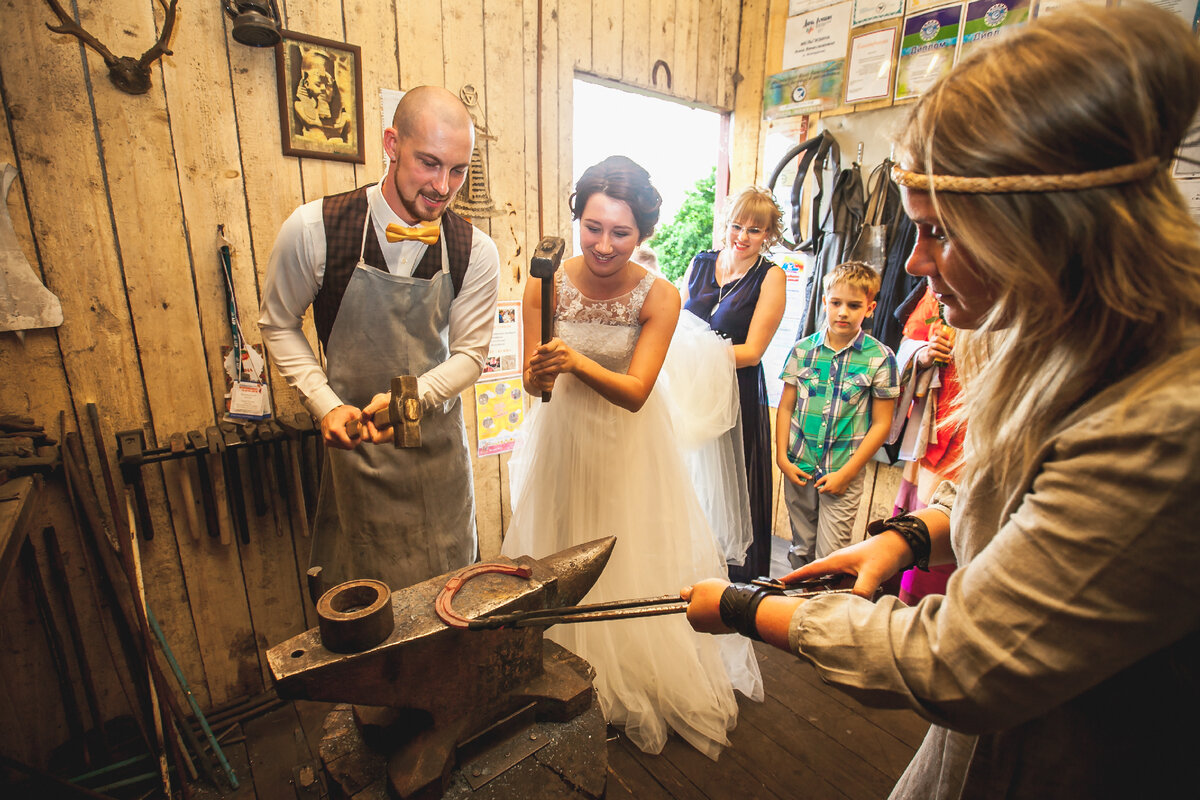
(131, 447)
(403, 412)
(542, 266)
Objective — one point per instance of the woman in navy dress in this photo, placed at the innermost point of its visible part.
(741, 296)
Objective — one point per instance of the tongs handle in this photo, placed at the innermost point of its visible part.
(614, 609)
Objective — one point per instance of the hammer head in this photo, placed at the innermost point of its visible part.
(547, 257)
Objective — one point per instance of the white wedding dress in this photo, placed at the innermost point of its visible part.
(584, 469)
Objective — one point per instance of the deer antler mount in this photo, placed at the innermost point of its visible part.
(129, 74)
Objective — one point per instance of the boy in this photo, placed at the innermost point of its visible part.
(839, 390)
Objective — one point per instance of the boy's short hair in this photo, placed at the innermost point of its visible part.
(855, 274)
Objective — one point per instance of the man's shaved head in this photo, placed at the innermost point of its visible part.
(442, 104)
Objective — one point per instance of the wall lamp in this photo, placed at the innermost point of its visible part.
(255, 22)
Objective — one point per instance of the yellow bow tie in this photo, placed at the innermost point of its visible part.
(426, 234)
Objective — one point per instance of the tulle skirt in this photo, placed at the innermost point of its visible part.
(586, 469)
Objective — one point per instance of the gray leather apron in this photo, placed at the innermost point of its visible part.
(397, 515)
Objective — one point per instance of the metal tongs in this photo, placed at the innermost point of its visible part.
(646, 606)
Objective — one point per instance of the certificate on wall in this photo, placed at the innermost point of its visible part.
(921, 6)
(927, 50)
(1047, 7)
(874, 10)
(803, 90)
(987, 21)
(869, 69)
(816, 36)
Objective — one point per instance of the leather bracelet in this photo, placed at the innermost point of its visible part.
(915, 533)
(739, 606)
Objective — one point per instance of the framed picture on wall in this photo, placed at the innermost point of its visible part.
(320, 98)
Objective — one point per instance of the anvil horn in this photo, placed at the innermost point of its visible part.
(425, 664)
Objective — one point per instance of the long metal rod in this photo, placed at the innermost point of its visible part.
(667, 604)
(625, 609)
(187, 692)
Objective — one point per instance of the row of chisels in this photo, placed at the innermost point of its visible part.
(277, 458)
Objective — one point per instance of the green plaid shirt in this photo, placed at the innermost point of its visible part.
(833, 398)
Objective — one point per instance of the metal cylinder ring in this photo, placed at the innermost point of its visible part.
(355, 615)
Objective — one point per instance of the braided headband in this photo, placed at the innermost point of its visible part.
(1000, 184)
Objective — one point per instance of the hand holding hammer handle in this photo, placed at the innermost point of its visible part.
(542, 266)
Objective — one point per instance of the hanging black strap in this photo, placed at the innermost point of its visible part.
(814, 150)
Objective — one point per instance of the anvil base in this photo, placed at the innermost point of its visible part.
(570, 761)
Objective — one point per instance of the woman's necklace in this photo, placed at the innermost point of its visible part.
(723, 291)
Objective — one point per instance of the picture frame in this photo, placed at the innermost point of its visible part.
(319, 83)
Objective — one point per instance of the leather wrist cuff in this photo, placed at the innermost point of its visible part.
(739, 606)
(914, 532)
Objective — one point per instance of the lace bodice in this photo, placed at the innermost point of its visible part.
(603, 330)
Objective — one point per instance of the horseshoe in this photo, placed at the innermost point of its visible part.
(442, 605)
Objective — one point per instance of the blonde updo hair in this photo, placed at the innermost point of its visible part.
(758, 207)
(1089, 285)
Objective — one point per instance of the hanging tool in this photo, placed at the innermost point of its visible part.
(542, 266)
(233, 478)
(199, 448)
(221, 480)
(178, 447)
(131, 447)
(293, 447)
(249, 433)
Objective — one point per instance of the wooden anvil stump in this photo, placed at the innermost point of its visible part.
(429, 688)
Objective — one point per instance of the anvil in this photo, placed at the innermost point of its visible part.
(433, 686)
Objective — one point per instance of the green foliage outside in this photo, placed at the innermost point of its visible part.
(689, 233)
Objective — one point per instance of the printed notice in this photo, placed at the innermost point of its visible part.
(817, 36)
(869, 72)
(927, 50)
(504, 354)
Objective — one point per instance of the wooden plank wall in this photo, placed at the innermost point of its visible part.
(118, 206)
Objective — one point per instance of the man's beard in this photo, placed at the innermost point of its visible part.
(414, 209)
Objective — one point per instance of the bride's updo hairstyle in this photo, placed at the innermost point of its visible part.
(620, 178)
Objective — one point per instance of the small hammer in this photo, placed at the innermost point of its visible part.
(545, 261)
(402, 411)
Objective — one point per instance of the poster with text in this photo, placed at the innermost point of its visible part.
(816, 36)
(803, 90)
(987, 21)
(499, 406)
(869, 71)
(504, 354)
(927, 50)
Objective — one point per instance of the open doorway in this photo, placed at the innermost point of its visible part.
(678, 145)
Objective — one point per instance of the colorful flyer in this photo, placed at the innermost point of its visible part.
(988, 21)
(804, 90)
(927, 50)
(869, 71)
(498, 414)
(817, 36)
(504, 353)
(874, 10)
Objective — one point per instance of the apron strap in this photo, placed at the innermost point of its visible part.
(362, 249)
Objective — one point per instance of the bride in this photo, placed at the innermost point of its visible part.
(602, 459)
